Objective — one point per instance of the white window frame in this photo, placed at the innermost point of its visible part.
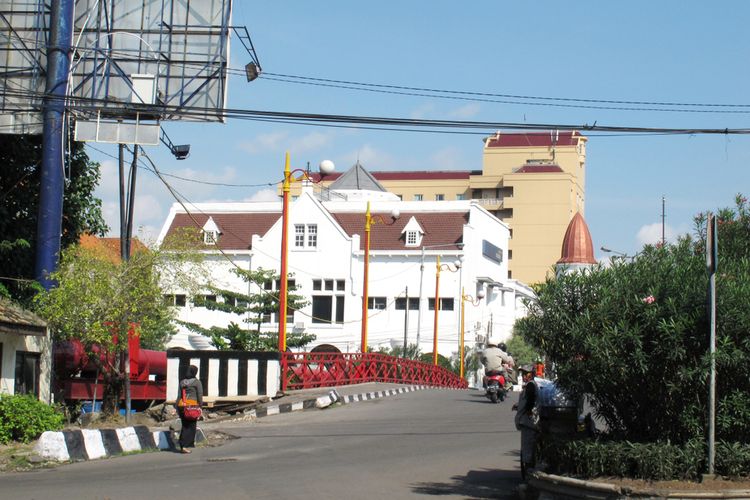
(312, 236)
(412, 238)
(299, 236)
(210, 237)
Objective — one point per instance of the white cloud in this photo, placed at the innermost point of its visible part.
(449, 159)
(271, 141)
(283, 141)
(263, 195)
(371, 158)
(650, 234)
(313, 141)
(465, 112)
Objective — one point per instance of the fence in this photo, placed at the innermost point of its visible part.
(226, 374)
(306, 370)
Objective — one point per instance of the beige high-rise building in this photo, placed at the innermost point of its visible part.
(535, 182)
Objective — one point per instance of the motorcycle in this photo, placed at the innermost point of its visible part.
(495, 386)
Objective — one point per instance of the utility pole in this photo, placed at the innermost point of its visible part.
(663, 222)
(712, 257)
(406, 324)
(49, 224)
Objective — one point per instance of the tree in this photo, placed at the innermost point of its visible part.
(97, 298)
(412, 351)
(251, 309)
(634, 337)
(20, 157)
(522, 352)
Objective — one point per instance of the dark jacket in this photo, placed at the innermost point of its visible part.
(193, 390)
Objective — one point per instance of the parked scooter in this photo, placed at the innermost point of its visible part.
(496, 389)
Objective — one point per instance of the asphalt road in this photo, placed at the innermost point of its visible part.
(430, 443)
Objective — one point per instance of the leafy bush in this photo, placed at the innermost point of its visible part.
(522, 352)
(24, 418)
(633, 337)
(649, 461)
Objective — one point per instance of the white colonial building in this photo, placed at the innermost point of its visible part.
(326, 262)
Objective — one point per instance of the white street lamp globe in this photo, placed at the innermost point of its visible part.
(480, 293)
(326, 167)
(395, 213)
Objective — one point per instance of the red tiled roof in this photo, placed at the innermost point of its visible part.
(237, 229)
(407, 175)
(109, 247)
(577, 247)
(538, 169)
(443, 228)
(533, 139)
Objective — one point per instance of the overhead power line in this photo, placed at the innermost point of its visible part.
(509, 96)
(96, 106)
(504, 98)
(429, 92)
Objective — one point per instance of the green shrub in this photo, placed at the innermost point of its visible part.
(633, 337)
(591, 458)
(24, 418)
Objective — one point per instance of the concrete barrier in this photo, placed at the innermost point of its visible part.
(91, 444)
(552, 487)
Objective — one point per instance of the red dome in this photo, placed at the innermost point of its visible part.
(577, 247)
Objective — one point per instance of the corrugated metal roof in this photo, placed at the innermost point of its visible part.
(358, 179)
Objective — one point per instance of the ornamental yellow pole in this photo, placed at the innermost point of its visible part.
(365, 279)
(284, 255)
(437, 308)
(461, 349)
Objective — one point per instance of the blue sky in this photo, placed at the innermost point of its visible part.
(665, 51)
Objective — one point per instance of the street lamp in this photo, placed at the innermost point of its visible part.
(440, 267)
(474, 302)
(421, 281)
(326, 167)
(370, 220)
(609, 250)
(620, 254)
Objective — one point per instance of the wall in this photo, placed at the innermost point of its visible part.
(12, 343)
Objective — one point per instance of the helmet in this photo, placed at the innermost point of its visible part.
(502, 346)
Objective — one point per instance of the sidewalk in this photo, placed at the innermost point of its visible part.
(320, 397)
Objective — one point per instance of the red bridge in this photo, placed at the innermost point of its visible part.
(321, 369)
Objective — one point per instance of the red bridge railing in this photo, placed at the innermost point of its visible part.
(306, 370)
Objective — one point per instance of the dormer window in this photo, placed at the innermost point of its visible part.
(210, 237)
(412, 238)
(413, 233)
(211, 232)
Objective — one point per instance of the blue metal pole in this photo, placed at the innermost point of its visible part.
(49, 225)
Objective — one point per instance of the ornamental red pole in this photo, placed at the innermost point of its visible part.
(365, 279)
(284, 254)
(437, 308)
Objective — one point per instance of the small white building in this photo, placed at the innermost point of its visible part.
(25, 352)
(326, 262)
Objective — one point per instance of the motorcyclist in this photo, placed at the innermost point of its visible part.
(496, 360)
